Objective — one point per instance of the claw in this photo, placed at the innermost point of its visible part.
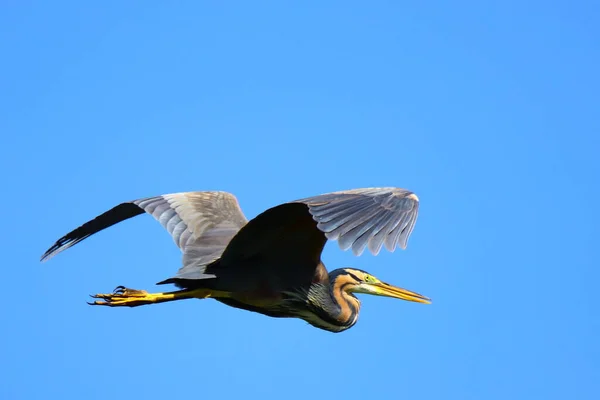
(119, 290)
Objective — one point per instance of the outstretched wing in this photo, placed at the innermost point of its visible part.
(200, 223)
(369, 217)
(284, 243)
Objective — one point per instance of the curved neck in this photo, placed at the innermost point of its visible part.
(348, 304)
(334, 307)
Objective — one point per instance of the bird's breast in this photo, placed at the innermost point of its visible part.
(328, 325)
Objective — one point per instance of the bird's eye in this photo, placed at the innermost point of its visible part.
(368, 278)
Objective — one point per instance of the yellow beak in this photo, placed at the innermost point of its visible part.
(385, 289)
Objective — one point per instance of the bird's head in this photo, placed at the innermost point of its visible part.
(358, 281)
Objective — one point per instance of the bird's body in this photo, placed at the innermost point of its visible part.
(272, 263)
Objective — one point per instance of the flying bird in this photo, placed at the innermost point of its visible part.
(272, 263)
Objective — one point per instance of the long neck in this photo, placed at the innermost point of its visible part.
(348, 304)
(335, 307)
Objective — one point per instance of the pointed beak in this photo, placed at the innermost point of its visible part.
(387, 290)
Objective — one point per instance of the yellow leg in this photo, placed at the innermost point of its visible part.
(125, 297)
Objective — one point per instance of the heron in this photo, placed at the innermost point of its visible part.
(272, 263)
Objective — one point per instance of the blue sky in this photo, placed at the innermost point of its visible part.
(489, 112)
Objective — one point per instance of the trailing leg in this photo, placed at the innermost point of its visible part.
(125, 297)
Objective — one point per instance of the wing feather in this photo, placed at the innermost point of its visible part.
(200, 223)
(366, 218)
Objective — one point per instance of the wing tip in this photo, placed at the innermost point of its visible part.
(48, 255)
(53, 250)
(413, 196)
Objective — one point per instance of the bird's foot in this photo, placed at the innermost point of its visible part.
(123, 296)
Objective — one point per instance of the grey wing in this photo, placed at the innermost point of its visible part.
(369, 217)
(200, 223)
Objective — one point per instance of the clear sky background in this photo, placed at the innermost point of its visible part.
(488, 111)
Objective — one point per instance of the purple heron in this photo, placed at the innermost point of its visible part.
(271, 264)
